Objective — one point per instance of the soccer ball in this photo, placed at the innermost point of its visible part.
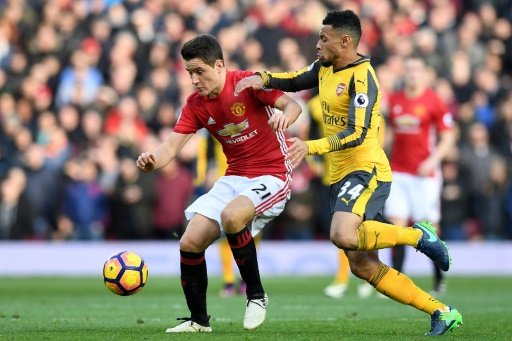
(125, 273)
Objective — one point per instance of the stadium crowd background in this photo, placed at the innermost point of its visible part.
(85, 85)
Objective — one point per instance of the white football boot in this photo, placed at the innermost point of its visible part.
(335, 290)
(255, 312)
(189, 326)
(365, 290)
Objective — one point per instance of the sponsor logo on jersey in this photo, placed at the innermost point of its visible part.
(238, 109)
(338, 121)
(340, 88)
(361, 100)
(234, 129)
(243, 138)
(211, 121)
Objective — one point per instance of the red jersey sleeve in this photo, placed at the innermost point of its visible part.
(443, 116)
(188, 122)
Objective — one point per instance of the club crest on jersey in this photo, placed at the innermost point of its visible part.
(419, 110)
(340, 88)
(361, 100)
(238, 109)
(234, 129)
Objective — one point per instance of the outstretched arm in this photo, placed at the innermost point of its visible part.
(447, 140)
(164, 153)
(306, 78)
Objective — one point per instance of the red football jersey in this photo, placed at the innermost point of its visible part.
(240, 124)
(416, 123)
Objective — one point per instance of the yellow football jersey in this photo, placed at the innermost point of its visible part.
(350, 103)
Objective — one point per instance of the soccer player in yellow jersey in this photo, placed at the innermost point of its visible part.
(339, 286)
(360, 174)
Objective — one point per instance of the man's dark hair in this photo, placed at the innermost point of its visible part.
(205, 47)
(345, 21)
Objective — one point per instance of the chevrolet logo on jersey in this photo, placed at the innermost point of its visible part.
(232, 129)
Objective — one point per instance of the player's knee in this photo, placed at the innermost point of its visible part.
(230, 219)
(343, 240)
(189, 245)
(363, 270)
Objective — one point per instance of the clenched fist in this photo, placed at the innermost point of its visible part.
(146, 162)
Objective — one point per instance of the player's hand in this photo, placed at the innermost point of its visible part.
(297, 151)
(427, 167)
(254, 82)
(279, 121)
(146, 162)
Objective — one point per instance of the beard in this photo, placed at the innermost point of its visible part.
(326, 63)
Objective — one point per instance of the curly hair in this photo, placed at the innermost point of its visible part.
(345, 21)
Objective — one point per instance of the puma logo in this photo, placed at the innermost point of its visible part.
(345, 201)
(376, 239)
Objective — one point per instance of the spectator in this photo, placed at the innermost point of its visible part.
(84, 204)
(131, 49)
(479, 158)
(133, 199)
(16, 218)
(169, 206)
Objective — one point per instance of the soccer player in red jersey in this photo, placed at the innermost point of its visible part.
(422, 134)
(253, 190)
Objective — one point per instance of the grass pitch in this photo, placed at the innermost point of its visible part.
(47, 308)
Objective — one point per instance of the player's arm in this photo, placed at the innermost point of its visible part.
(447, 139)
(305, 78)
(164, 153)
(364, 98)
(290, 112)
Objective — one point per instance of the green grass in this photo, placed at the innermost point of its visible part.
(44, 308)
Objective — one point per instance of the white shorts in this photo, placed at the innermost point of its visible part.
(414, 198)
(269, 195)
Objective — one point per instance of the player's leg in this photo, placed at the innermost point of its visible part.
(199, 234)
(397, 286)
(398, 210)
(340, 284)
(259, 200)
(203, 229)
(235, 219)
(427, 206)
(228, 275)
(350, 200)
(352, 195)
(242, 286)
(366, 265)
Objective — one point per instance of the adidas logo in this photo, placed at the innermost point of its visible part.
(211, 121)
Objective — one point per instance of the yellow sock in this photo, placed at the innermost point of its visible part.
(226, 260)
(343, 268)
(401, 288)
(374, 235)
(257, 239)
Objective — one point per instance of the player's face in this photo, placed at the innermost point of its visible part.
(414, 73)
(328, 46)
(207, 80)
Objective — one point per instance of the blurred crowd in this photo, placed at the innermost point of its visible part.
(86, 85)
